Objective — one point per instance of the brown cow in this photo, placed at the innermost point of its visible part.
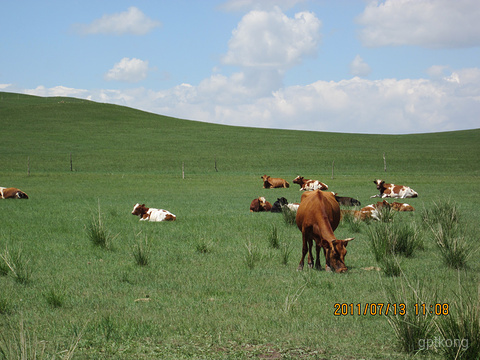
(269, 182)
(402, 206)
(260, 204)
(12, 193)
(317, 217)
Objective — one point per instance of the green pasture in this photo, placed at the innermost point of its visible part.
(214, 287)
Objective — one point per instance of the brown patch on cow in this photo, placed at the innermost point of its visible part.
(170, 217)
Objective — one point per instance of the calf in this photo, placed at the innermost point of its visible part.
(393, 191)
(309, 185)
(12, 193)
(269, 182)
(260, 204)
(152, 214)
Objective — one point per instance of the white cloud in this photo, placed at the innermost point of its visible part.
(358, 67)
(4, 86)
(132, 21)
(129, 70)
(428, 23)
(272, 40)
(246, 5)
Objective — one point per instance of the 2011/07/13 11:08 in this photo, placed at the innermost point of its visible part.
(344, 309)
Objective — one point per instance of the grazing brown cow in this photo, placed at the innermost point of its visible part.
(260, 204)
(393, 191)
(317, 217)
(269, 182)
(12, 193)
(309, 185)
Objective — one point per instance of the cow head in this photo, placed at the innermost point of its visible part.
(335, 252)
(21, 195)
(282, 201)
(139, 209)
(298, 180)
(379, 183)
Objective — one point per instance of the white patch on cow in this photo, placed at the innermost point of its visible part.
(157, 215)
(293, 207)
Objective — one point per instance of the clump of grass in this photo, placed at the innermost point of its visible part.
(443, 221)
(203, 247)
(3, 268)
(410, 327)
(97, 232)
(285, 253)
(461, 328)
(386, 214)
(54, 298)
(273, 239)
(388, 240)
(453, 246)
(353, 223)
(289, 216)
(17, 264)
(141, 252)
(108, 327)
(5, 306)
(251, 255)
(445, 213)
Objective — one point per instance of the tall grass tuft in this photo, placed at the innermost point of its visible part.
(141, 252)
(289, 216)
(18, 264)
(54, 298)
(386, 214)
(443, 221)
(273, 239)
(411, 328)
(461, 328)
(349, 219)
(97, 232)
(285, 253)
(251, 255)
(5, 305)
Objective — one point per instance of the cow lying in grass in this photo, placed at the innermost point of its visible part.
(12, 193)
(346, 201)
(152, 214)
(281, 203)
(393, 191)
(270, 183)
(372, 211)
(309, 185)
(260, 204)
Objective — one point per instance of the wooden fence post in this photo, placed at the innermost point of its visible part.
(71, 162)
(216, 163)
(333, 167)
(28, 166)
(384, 163)
(183, 170)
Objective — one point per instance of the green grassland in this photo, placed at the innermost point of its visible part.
(213, 287)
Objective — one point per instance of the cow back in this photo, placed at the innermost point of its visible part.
(315, 205)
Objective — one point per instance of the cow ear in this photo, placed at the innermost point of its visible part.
(143, 204)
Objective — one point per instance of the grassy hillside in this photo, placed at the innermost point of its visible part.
(214, 287)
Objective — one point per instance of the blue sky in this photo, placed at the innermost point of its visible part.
(385, 67)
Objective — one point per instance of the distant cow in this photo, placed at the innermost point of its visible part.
(309, 185)
(281, 203)
(260, 204)
(347, 201)
(393, 191)
(402, 206)
(269, 182)
(12, 193)
(317, 217)
(152, 214)
(372, 211)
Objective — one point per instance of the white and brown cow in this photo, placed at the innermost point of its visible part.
(309, 185)
(152, 214)
(402, 206)
(12, 193)
(393, 191)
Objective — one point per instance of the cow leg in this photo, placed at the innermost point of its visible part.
(318, 266)
(327, 263)
(310, 255)
(304, 250)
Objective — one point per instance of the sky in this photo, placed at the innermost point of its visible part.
(351, 66)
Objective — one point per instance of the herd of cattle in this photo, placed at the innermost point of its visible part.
(317, 215)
